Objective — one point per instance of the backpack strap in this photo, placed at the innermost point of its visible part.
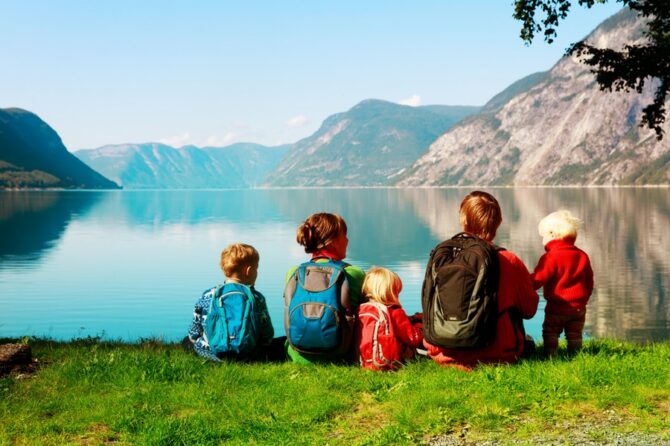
(218, 291)
(246, 289)
(330, 259)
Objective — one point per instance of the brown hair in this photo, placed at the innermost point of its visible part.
(382, 285)
(480, 215)
(319, 230)
(236, 257)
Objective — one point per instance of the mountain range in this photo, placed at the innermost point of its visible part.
(365, 146)
(550, 128)
(33, 155)
(553, 128)
(159, 166)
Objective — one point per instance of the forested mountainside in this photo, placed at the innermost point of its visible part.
(32, 155)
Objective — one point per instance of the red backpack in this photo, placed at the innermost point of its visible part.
(378, 347)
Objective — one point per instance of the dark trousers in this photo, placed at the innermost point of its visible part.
(555, 324)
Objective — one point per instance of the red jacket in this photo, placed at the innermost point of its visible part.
(566, 275)
(515, 296)
(410, 335)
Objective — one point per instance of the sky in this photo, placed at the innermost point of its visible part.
(212, 73)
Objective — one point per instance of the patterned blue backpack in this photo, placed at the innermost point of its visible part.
(318, 315)
(230, 326)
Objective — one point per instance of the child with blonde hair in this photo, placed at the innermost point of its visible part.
(565, 274)
(232, 320)
(386, 335)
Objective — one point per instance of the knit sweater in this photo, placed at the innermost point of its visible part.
(565, 274)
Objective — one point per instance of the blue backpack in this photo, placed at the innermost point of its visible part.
(318, 315)
(230, 326)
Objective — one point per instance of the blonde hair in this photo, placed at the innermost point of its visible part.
(480, 215)
(382, 285)
(319, 230)
(236, 257)
(559, 225)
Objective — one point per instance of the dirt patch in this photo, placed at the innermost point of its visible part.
(599, 430)
(98, 433)
(16, 359)
(368, 412)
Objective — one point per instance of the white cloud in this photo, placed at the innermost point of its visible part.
(177, 141)
(212, 140)
(413, 101)
(218, 141)
(297, 121)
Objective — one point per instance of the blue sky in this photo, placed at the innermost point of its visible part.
(218, 72)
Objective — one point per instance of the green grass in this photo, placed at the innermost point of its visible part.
(90, 392)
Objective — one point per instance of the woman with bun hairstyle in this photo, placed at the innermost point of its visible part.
(311, 335)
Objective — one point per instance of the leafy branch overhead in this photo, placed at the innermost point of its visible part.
(626, 70)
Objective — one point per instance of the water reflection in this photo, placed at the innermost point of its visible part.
(383, 227)
(31, 223)
(129, 249)
(626, 233)
(189, 207)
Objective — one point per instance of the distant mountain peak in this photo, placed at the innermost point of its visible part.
(160, 166)
(366, 145)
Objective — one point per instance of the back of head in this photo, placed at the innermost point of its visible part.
(382, 285)
(319, 230)
(480, 215)
(236, 257)
(559, 225)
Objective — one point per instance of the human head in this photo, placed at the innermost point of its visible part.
(382, 285)
(559, 225)
(480, 215)
(323, 230)
(240, 261)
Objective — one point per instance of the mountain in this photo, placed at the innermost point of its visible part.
(158, 166)
(553, 128)
(32, 155)
(364, 146)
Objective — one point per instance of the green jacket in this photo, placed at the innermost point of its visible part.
(355, 277)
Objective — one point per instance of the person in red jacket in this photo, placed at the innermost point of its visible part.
(381, 347)
(480, 215)
(565, 274)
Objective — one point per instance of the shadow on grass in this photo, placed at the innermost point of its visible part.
(592, 347)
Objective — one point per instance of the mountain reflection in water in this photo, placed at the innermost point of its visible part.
(113, 256)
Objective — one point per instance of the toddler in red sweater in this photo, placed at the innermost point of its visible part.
(565, 274)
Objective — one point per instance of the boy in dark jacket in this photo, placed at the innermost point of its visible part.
(565, 274)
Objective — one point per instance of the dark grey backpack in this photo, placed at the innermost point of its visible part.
(460, 293)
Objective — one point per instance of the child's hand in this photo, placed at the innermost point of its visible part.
(416, 317)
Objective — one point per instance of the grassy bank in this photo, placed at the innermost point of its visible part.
(88, 392)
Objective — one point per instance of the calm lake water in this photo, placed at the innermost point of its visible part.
(131, 264)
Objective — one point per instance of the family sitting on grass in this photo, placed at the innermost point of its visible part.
(475, 296)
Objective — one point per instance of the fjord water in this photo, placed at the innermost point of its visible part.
(131, 264)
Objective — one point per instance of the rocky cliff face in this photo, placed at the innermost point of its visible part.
(555, 128)
(158, 166)
(365, 146)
